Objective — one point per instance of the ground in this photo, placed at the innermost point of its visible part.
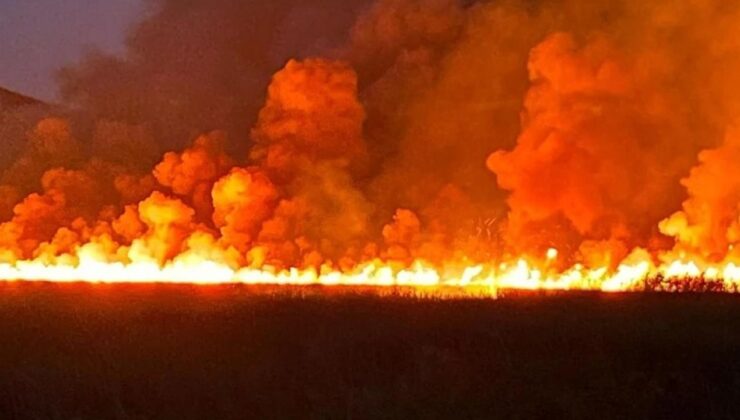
(154, 351)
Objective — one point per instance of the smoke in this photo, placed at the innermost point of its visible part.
(131, 146)
(168, 223)
(312, 114)
(50, 143)
(192, 173)
(309, 138)
(243, 200)
(709, 223)
(296, 134)
(612, 121)
(197, 66)
(588, 144)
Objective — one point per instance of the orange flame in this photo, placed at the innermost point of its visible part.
(90, 264)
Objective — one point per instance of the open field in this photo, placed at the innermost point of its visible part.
(154, 351)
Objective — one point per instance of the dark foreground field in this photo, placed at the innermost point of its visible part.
(130, 352)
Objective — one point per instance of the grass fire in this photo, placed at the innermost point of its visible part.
(431, 143)
(476, 168)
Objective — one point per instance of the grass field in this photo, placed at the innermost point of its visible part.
(154, 351)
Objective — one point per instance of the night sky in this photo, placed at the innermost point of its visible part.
(39, 36)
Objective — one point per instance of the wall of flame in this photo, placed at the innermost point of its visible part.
(422, 143)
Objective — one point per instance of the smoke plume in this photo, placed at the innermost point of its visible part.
(326, 134)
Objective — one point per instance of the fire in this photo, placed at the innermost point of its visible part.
(479, 279)
(445, 146)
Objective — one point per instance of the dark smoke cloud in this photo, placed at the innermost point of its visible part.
(196, 66)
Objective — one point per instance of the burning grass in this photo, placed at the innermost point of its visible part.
(523, 144)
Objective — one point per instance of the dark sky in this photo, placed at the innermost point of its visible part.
(39, 36)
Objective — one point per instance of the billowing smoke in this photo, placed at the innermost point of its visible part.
(309, 139)
(197, 66)
(709, 224)
(324, 134)
(593, 131)
(243, 200)
(312, 114)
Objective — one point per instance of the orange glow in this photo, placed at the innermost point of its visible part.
(89, 264)
(604, 186)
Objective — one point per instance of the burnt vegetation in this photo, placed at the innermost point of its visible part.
(148, 351)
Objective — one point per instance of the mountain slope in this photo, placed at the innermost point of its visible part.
(10, 99)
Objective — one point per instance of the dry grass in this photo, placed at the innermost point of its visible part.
(154, 351)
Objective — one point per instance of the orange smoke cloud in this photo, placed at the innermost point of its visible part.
(50, 143)
(588, 148)
(134, 188)
(243, 200)
(309, 137)
(193, 172)
(79, 188)
(35, 220)
(402, 235)
(709, 223)
(203, 162)
(312, 112)
(169, 222)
